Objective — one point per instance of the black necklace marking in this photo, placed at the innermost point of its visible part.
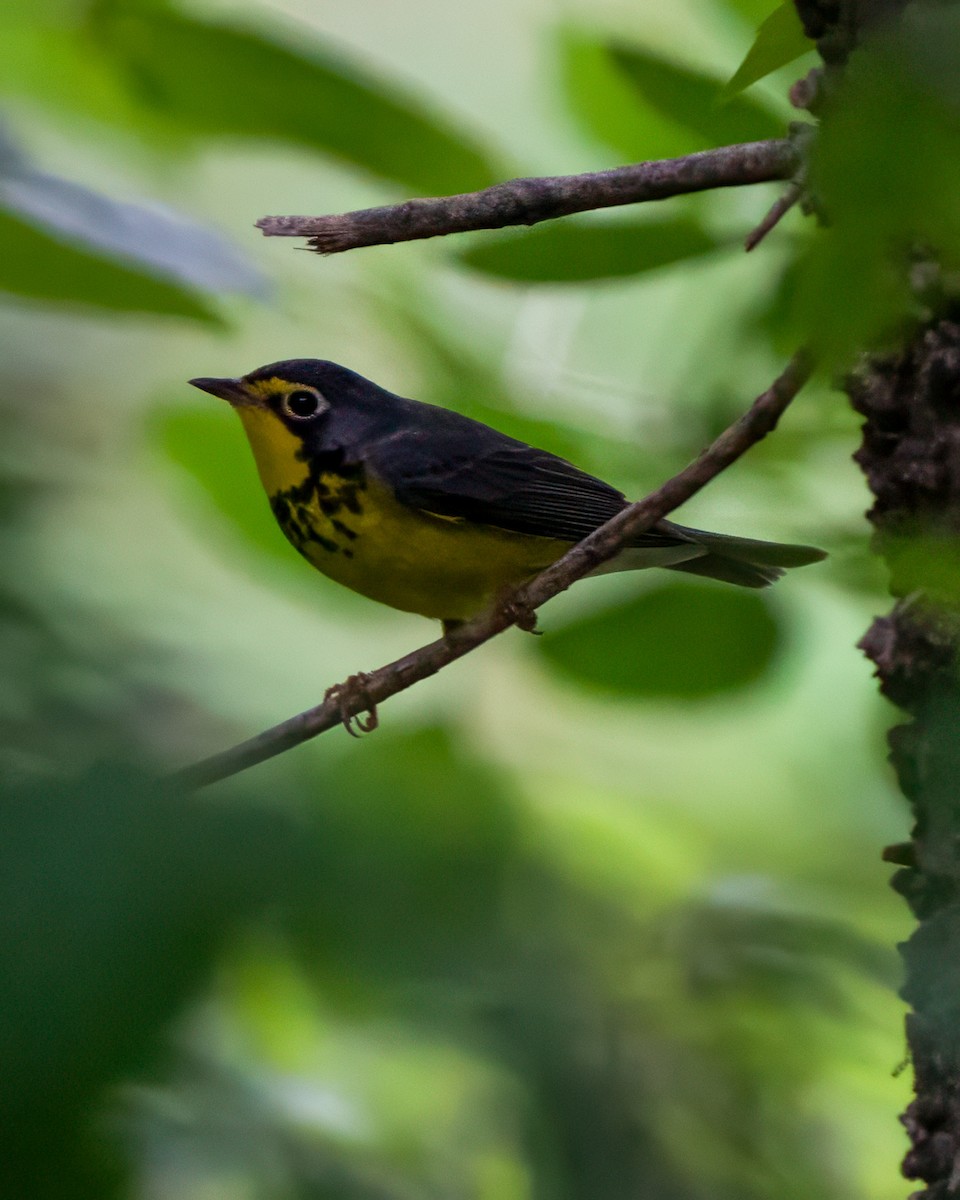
(295, 507)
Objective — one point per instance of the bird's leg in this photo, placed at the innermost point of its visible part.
(518, 613)
(352, 698)
(514, 610)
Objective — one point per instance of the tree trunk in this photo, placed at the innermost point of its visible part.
(911, 457)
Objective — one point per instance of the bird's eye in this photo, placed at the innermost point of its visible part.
(303, 404)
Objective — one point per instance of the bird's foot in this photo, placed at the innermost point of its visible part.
(353, 700)
(524, 616)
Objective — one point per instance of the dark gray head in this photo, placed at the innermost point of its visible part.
(320, 402)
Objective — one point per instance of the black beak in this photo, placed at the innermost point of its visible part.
(231, 390)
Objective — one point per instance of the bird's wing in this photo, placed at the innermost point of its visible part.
(494, 480)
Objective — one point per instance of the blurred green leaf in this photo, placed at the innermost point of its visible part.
(646, 107)
(886, 170)
(63, 242)
(572, 251)
(415, 838)
(676, 642)
(67, 73)
(605, 105)
(220, 80)
(849, 295)
(921, 555)
(692, 99)
(154, 239)
(38, 12)
(116, 896)
(780, 39)
(753, 11)
(737, 940)
(44, 265)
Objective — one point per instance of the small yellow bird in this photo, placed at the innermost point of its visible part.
(434, 513)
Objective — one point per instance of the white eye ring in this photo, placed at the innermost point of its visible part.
(303, 404)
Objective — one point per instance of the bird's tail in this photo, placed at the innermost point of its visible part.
(743, 561)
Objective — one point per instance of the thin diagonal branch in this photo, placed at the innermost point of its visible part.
(528, 201)
(778, 211)
(759, 420)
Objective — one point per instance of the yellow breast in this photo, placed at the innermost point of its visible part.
(350, 526)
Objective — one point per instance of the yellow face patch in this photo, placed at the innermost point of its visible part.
(263, 389)
(275, 448)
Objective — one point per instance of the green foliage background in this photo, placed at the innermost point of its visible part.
(598, 915)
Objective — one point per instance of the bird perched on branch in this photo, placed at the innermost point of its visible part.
(434, 513)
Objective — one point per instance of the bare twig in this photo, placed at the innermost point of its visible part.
(601, 545)
(527, 201)
(778, 210)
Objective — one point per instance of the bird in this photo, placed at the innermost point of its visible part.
(432, 512)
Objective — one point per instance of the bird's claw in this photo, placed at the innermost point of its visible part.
(523, 615)
(353, 699)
